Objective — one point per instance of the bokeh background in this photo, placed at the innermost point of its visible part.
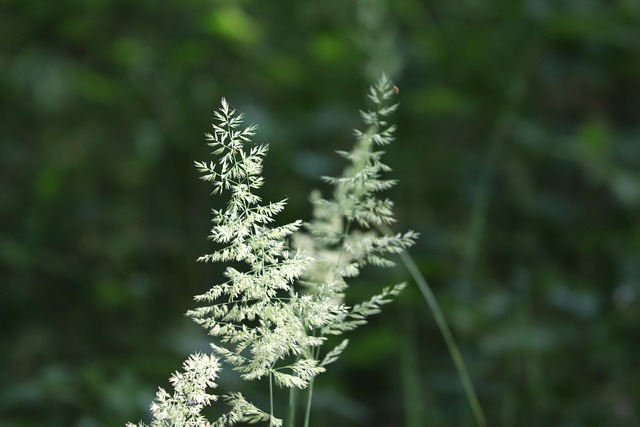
(518, 156)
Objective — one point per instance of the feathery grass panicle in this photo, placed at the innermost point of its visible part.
(256, 315)
(342, 237)
(277, 306)
(190, 396)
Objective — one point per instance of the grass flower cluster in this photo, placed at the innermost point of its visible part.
(285, 287)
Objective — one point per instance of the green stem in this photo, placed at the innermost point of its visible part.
(292, 406)
(307, 412)
(443, 326)
(271, 398)
(465, 378)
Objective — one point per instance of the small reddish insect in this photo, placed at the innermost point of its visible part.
(396, 89)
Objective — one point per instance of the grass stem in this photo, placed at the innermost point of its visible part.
(271, 398)
(443, 326)
(292, 406)
(307, 413)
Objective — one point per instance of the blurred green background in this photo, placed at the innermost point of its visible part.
(518, 156)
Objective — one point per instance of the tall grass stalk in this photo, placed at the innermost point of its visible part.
(443, 326)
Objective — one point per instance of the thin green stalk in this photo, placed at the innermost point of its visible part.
(465, 378)
(307, 413)
(292, 406)
(271, 398)
(443, 326)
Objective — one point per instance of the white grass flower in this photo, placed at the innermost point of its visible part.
(278, 304)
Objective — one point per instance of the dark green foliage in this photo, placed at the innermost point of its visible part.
(519, 156)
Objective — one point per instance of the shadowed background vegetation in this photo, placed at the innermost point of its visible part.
(518, 156)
